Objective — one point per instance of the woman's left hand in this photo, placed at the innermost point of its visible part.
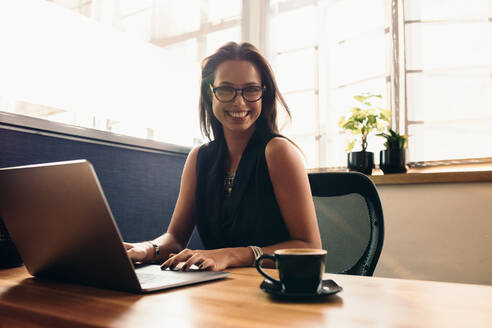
(210, 260)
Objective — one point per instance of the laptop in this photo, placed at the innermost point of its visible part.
(59, 220)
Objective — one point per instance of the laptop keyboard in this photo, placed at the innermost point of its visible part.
(149, 278)
(146, 277)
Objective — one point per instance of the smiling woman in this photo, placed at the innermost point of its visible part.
(237, 113)
(246, 191)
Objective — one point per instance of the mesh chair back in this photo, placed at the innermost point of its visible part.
(350, 219)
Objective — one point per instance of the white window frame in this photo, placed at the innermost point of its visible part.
(399, 78)
(253, 29)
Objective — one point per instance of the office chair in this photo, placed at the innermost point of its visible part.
(350, 219)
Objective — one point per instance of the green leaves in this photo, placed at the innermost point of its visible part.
(394, 140)
(350, 145)
(366, 95)
(364, 120)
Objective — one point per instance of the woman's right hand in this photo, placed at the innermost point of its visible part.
(137, 252)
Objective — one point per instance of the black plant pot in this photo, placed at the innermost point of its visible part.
(392, 161)
(361, 161)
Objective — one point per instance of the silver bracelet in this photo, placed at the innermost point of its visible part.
(257, 252)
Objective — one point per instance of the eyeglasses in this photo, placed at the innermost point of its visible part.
(227, 94)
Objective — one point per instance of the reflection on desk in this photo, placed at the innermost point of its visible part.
(238, 302)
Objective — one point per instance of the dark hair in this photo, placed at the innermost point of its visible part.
(243, 51)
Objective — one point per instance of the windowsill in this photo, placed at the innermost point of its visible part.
(437, 174)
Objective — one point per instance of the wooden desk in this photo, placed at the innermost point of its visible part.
(238, 302)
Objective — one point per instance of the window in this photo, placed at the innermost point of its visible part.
(294, 57)
(448, 47)
(82, 7)
(333, 51)
(133, 66)
(443, 97)
(126, 66)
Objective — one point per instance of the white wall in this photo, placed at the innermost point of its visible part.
(440, 231)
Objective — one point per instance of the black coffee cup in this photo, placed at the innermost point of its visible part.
(300, 269)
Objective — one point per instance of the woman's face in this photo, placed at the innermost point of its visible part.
(237, 115)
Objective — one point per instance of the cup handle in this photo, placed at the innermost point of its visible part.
(260, 270)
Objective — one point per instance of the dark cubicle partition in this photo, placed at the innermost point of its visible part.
(140, 178)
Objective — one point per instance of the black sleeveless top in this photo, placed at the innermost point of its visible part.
(251, 215)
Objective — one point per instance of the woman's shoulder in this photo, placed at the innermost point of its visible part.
(280, 145)
(193, 154)
(284, 160)
(280, 149)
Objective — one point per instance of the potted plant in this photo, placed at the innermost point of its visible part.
(365, 119)
(392, 159)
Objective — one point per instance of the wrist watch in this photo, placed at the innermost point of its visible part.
(156, 249)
